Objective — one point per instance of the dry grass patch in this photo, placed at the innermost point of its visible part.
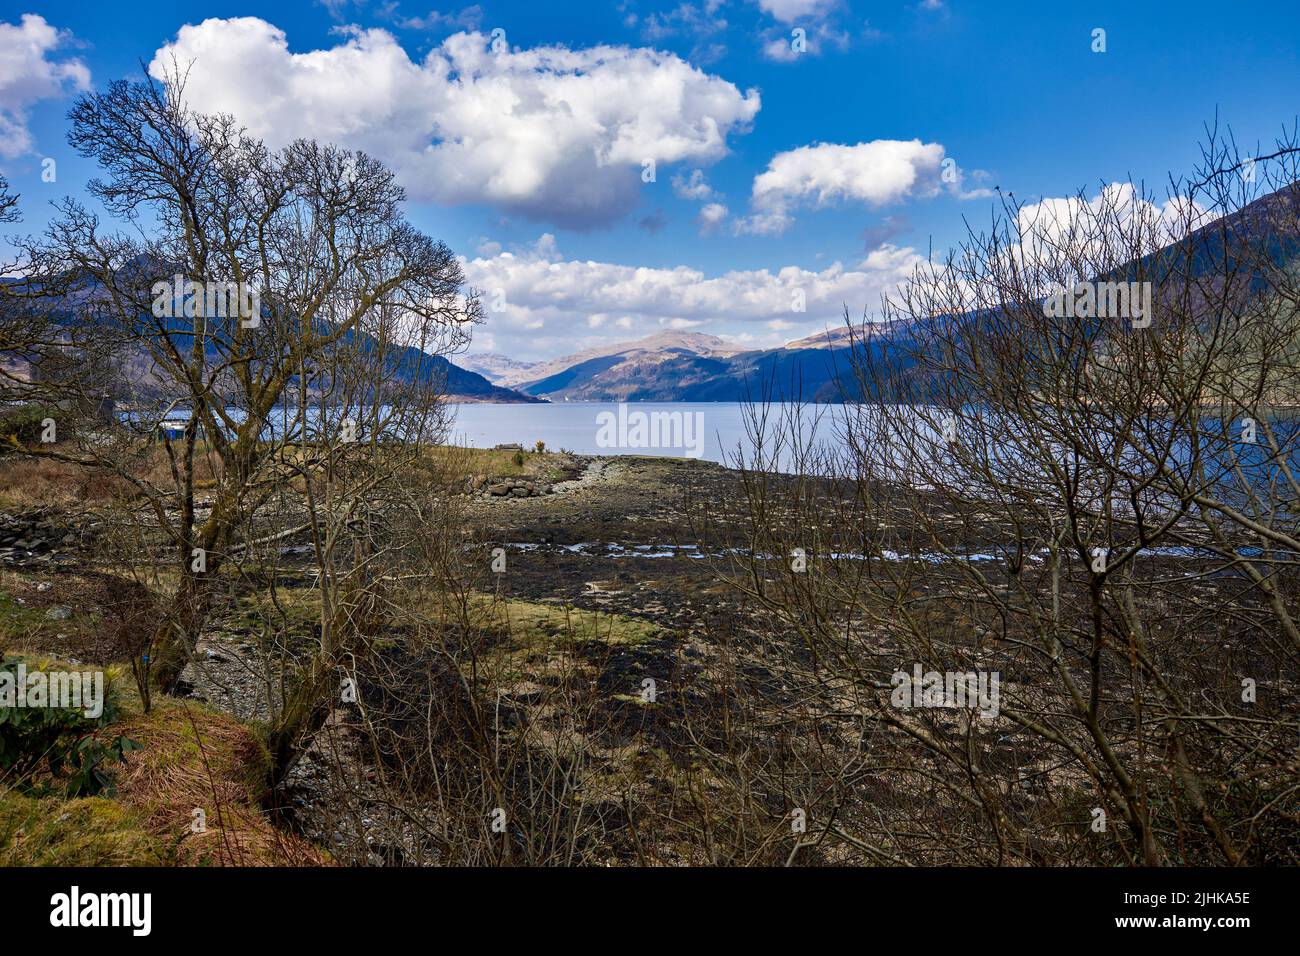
(197, 759)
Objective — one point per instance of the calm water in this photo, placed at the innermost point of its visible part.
(719, 431)
(712, 431)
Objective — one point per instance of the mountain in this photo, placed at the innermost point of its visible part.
(497, 368)
(693, 367)
(813, 373)
(457, 384)
(463, 385)
(837, 337)
(701, 368)
(610, 369)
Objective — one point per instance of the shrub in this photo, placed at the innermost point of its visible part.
(55, 748)
(24, 424)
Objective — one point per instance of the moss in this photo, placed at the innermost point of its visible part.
(537, 626)
(92, 831)
(17, 620)
(297, 612)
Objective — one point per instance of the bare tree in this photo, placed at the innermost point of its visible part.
(271, 322)
(1052, 483)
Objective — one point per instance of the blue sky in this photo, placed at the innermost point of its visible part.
(825, 171)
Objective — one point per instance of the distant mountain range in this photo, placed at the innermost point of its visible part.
(456, 384)
(496, 368)
(674, 367)
(690, 366)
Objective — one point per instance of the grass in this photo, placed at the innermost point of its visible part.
(535, 626)
(295, 609)
(193, 758)
(18, 620)
(91, 831)
(196, 758)
(31, 482)
(38, 482)
(544, 466)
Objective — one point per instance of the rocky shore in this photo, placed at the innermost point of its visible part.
(41, 537)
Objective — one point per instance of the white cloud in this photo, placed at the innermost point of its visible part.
(694, 186)
(791, 11)
(553, 134)
(805, 28)
(1110, 228)
(711, 217)
(814, 40)
(28, 75)
(549, 302)
(468, 18)
(877, 173)
(684, 18)
(762, 224)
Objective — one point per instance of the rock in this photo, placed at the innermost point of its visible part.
(519, 491)
(499, 489)
(59, 613)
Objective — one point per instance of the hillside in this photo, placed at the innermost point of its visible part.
(495, 367)
(457, 383)
(813, 368)
(631, 358)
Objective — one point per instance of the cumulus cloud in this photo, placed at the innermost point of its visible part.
(28, 74)
(553, 134)
(711, 216)
(877, 173)
(805, 28)
(1110, 227)
(813, 40)
(547, 303)
(694, 186)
